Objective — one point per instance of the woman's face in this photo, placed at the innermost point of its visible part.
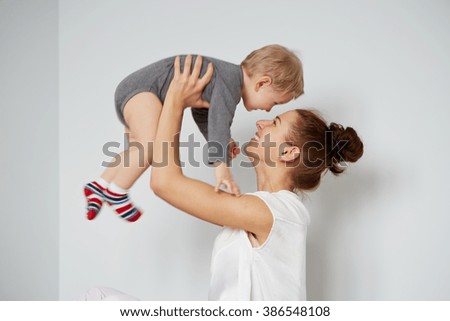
(269, 141)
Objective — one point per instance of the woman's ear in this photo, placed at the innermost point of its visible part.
(263, 81)
(290, 154)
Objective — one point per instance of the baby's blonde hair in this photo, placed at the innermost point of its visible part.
(280, 64)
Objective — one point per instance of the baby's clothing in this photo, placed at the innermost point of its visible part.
(274, 271)
(223, 93)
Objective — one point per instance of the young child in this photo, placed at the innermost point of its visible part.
(268, 76)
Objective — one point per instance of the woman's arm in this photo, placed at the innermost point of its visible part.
(189, 195)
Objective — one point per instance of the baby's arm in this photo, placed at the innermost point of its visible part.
(223, 172)
(224, 177)
(222, 148)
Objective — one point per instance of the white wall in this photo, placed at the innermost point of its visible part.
(29, 150)
(377, 233)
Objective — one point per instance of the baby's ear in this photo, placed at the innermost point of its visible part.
(263, 81)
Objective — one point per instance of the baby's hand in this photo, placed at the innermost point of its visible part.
(223, 177)
(234, 149)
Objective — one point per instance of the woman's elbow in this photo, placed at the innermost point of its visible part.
(155, 183)
(158, 184)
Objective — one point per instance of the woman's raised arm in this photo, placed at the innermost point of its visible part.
(189, 195)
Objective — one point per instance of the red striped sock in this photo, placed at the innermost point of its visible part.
(118, 198)
(94, 192)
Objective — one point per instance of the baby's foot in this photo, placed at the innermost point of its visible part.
(94, 192)
(118, 198)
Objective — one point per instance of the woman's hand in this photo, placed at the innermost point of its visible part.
(186, 89)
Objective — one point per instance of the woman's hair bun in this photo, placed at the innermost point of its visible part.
(352, 147)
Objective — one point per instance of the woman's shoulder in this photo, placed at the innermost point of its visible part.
(285, 205)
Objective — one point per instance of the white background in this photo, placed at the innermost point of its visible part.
(379, 232)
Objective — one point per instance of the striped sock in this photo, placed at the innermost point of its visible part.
(94, 196)
(118, 198)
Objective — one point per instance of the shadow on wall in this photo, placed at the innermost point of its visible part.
(338, 209)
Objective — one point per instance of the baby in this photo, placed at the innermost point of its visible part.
(269, 76)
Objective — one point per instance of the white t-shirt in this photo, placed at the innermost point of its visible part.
(273, 271)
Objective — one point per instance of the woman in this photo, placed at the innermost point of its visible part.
(260, 254)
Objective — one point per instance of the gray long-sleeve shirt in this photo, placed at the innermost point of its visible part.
(223, 94)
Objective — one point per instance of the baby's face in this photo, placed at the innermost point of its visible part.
(264, 99)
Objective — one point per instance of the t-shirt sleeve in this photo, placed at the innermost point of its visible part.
(221, 112)
(200, 116)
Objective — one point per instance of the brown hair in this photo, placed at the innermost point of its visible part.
(323, 148)
(280, 64)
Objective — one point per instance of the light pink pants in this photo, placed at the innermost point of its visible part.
(105, 294)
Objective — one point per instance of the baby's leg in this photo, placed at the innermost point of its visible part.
(111, 171)
(141, 113)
